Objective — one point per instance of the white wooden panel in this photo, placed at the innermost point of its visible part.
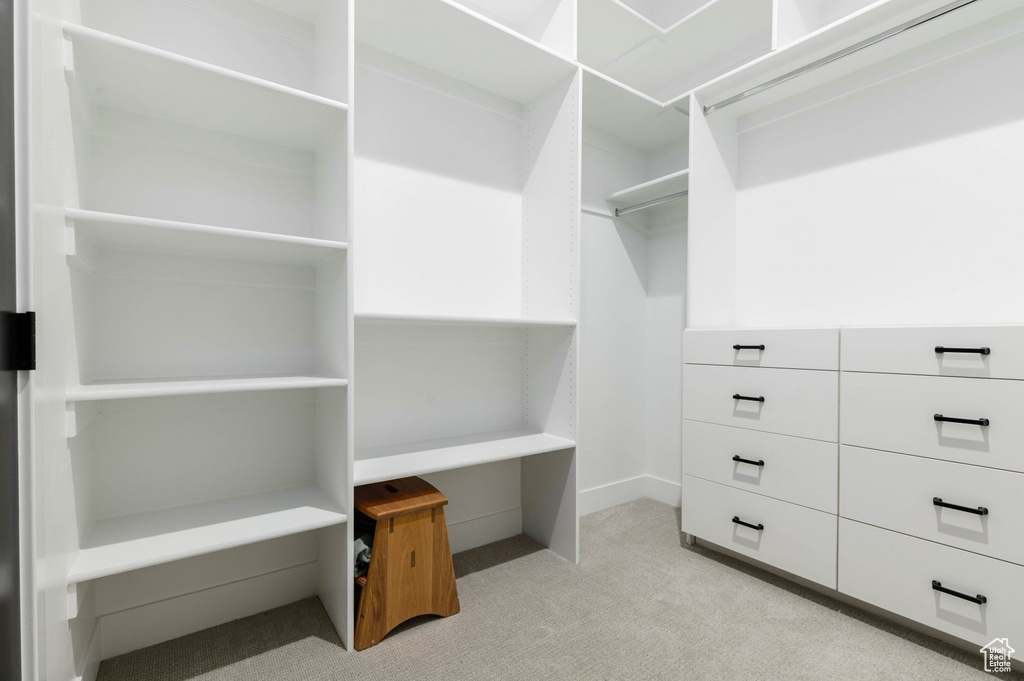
(130, 630)
(895, 250)
(171, 580)
(551, 202)
(439, 220)
(895, 572)
(789, 348)
(167, 316)
(897, 413)
(795, 539)
(246, 37)
(427, 382)
(896, 491)
(551, 23)
(550, 502)
(796, 402)
(795, 469)
(913, 351)
(444, 37)
(149, 168)
(157, 453)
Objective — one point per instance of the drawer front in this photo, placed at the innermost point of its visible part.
(783, 348)
(895, 572)
(897, 413)
(795, 539)
(794, 469)
(796, 402)
(898, 491)
(913, 351)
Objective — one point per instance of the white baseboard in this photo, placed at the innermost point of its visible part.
(624, 491)
(606, 496)
(665, 491)
(470, 534)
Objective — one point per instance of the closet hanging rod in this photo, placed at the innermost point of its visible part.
(835, 56)
(619, 212)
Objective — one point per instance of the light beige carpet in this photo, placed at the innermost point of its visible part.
(639, 606)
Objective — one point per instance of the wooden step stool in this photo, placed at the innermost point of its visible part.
(411, 571)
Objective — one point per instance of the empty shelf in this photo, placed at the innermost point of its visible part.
(457, 320)
(121, 390)
(146, 539)
(122, 74)
(442, 36)
(374, 464)
(166, 236)
(655, 189)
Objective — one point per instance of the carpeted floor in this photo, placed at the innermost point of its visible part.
(639, 606)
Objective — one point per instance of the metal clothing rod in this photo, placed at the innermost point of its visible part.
(845, 52)
(619, 212)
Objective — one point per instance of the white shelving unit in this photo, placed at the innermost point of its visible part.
(191, 246)
(466, 275)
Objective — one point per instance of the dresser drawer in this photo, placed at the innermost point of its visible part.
(796, 402)
(895, 572)
(897, 413)
(783, 348)
(898, 491)
(794, 538)
(794, 469)
(913, 351)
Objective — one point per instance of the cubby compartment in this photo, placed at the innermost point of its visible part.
(165, 478)
(665, 48)
(447, 395)
(466, 176)
(147, 316)
(297, 44)
(157, 137)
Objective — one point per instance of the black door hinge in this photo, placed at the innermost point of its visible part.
(19, 341)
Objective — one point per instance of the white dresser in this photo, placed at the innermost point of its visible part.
(760, 433)
(931, 491)
(921, 433)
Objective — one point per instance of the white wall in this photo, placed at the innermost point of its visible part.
(899, 204)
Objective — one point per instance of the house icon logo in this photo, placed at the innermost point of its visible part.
(997, 655)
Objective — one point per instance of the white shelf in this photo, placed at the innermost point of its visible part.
(123, 74)
(454, 320)
(649, 191)
(122, 390)
(858, 26)
(132, 542)
(374, 464)
(459, 43)
(166, 236)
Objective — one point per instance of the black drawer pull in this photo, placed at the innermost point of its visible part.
(758, 527)
(970, 422)
(981, 510)
(970, 351)
(748, 347)
(737, 396)
(751, 462)
(979, 599)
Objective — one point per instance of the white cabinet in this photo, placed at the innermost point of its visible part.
(759, 445)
